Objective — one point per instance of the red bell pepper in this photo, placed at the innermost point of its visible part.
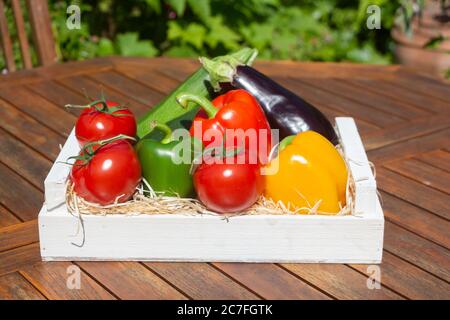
(219, 120)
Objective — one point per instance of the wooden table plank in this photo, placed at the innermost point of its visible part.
(438, 158)
(426, 86)
(127, 86)
(42, 110)
(407, 95)
(405, 131)
(7, 218)
(411, 147)
(59, 95)
(414, 192)
(421, 172)
(19, 258)
(416, 219)
(18, 235)
(53, 280)
(149, 77)
(365, 97)
(31, 132)
(130, 280)
(18, 195)
(425, 254)
(411, 281)
(200, 281)
(21, 158)
(270, 281)
(340, 281)
(14, 287)
(313, 93)
(94, 89)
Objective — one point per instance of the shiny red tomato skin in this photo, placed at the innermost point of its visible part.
(113, 171)
(94, 125)
(227, 188)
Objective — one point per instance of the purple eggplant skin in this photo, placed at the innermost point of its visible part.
(284, 110)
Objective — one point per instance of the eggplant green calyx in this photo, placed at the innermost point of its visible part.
(224, 69)
(184, 98)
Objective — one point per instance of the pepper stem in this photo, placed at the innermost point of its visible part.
(165, 129)
(184, 98)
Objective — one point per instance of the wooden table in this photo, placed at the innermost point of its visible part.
(404, 119)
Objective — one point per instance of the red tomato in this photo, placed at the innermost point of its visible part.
(223, 187)
(112, 171)
(98, 123)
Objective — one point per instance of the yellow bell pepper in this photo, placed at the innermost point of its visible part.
(310, 169)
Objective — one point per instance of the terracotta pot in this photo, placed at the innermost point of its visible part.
(412, 51)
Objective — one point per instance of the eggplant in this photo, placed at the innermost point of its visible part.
(285, 110)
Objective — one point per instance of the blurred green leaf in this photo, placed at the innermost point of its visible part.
(155, 5)
(128, 44)
(178, 5)
(181, 51)
(202, 8)
(105, 47)
(220, 33)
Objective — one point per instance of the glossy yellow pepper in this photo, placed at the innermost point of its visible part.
(310, 169)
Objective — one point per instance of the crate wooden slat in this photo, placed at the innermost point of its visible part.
(252, 238)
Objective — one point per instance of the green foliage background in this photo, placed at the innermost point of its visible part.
(318, 30)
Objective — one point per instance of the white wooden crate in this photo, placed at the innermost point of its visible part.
(256, 238)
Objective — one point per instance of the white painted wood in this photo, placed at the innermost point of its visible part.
(262, 238)
(54, 183)
(366, 187)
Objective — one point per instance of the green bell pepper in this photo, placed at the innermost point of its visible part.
(160, 167)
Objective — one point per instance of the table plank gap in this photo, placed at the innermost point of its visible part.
(31, 132)
(314, 93)
(64, 280)
(404, 131)
(438, 158)
(422, 173)
(337, 89)
(407, 280)
(18, 235)
(18, 258)
(409, 148)
(14, 187)
(127, 86)
(417, 250)
(82, 84)
(130, 280)
(7, 217)
(416, 219)
(401, 94)
(413, 191)
(270, 281)
(200, 281)
(15, 287)
(340, 280)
